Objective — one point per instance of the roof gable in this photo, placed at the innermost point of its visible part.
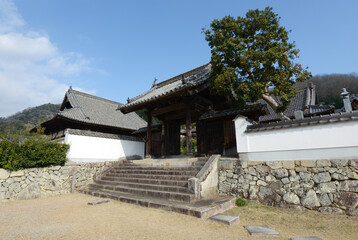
(91, 109)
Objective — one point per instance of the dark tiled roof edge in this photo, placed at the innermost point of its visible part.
(168, 81)
(322, 119)
(144, 129)
(103, 135)
(188, 85)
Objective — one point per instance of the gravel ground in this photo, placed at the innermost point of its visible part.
(69, 217)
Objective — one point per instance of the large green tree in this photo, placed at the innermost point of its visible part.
(252, 58)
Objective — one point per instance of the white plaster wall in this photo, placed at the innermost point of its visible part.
(322, 141)
(95, 149)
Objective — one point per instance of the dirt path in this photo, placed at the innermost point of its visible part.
(69, 217)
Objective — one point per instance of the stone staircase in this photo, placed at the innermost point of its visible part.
(162, 179)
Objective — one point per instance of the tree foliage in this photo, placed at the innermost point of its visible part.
(252, 58)
(29, 150)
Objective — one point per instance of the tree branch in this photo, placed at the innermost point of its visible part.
(272, 102)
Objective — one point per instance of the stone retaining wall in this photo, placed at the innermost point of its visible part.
(329, 186)
(51, 181)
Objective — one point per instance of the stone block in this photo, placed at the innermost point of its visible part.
(267, 195)
(285, 180)
(274, 164)
(270, 178)
(254, 163)
(338, 163)
(289, 165)
(310, 199)
(349, 186)
(300, 169)
(331, 210)
(261, 230)
(322, 177)
(305, 176)
(338, 176)
(4, 174)
(353, 163)
(330, 187)
(307, 184)
(352, 212)
(325, 200)
(280, 173)
(98, 201)
(262, 169)
(353, 175)
(19, 173)
(226, 219)
(346, 199)
(225, 164)
(291, 198)
(31, 191)
(323, 163)
(308, 163)
(261, 183)
(253, 192)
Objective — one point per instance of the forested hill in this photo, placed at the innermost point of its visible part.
(329, 87)
(29, 117)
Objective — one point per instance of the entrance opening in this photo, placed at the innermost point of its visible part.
(183, 145)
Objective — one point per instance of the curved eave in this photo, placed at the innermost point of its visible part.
(144, 103)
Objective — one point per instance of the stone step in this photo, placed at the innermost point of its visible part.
(166, 188)
(147, 181)
(200, 209)
(155, 172)
(139, 167)
(149, 176)
(144, 192)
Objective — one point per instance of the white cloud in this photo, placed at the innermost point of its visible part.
(31, 65)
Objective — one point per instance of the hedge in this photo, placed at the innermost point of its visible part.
(27, 150)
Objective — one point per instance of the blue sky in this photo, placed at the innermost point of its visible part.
(114, 49)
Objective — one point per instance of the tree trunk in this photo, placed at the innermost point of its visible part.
(272, 102)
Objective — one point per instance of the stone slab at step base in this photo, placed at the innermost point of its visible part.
(98, 201)
(306, 238)
(261, 230)
(226, 219)
(199, 209)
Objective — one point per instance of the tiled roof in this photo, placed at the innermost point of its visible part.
(90, 109)
(103, 135)
(305, 100)
(323, 119)
(183, 81)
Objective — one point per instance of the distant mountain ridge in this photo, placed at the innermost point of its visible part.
(29, 117)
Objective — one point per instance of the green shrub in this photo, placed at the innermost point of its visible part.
(241, 202)
(29, 150)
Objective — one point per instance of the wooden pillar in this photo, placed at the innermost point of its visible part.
(188, 130)
(149, 134)
(163, 139)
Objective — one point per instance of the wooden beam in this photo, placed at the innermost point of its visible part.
(171, 108)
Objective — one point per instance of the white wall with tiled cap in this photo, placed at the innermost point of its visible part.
(97, 149)
(320, 141)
